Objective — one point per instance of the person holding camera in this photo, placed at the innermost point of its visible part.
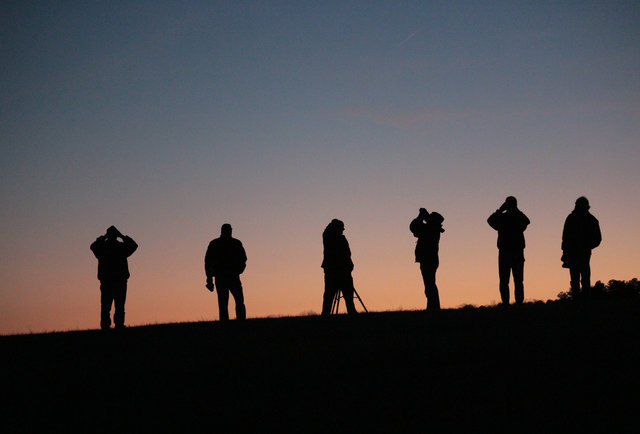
(226, 260)
(510, 223)
(337, 265)
(427, 228)
(113, 273)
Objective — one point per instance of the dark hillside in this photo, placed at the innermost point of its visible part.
(557, 366)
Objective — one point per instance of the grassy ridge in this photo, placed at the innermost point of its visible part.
(528, 368)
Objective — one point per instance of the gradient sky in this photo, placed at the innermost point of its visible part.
(168, 119)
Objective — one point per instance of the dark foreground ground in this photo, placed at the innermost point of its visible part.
(554, 367)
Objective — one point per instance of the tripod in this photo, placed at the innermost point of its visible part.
(336, 301)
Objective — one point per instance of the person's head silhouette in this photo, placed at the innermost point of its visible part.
(225, 231)
(335, 228)
(338, 226)
(112, 233)
(510, 203)
(582, 204)
(436, 217)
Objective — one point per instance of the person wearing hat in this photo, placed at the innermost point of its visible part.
(113, 273)
(510, 223)
(427, 228)
(581, 234)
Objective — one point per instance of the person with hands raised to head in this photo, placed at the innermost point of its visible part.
(510, 223)
(113, 273)
(427, 228)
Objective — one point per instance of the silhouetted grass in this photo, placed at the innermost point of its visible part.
(556, 366)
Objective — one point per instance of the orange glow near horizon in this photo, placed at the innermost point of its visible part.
(167, 283)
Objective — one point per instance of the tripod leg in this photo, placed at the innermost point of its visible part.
(336, 303)
(360, 300)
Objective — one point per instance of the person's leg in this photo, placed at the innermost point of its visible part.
(504, 272)
(574, 273)
(585, 273)
(119, 297)
(518, 280)
(106, 299)
(238, 298)
(329, 295)
(347, 293)
(223, 298)
(430, 288)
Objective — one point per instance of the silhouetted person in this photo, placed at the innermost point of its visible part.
(580, 235)
(226, 260)
(113, 273)
(510, 223)
(337, 266)
(427, 228)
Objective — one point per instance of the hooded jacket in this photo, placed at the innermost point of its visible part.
(112, 257)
